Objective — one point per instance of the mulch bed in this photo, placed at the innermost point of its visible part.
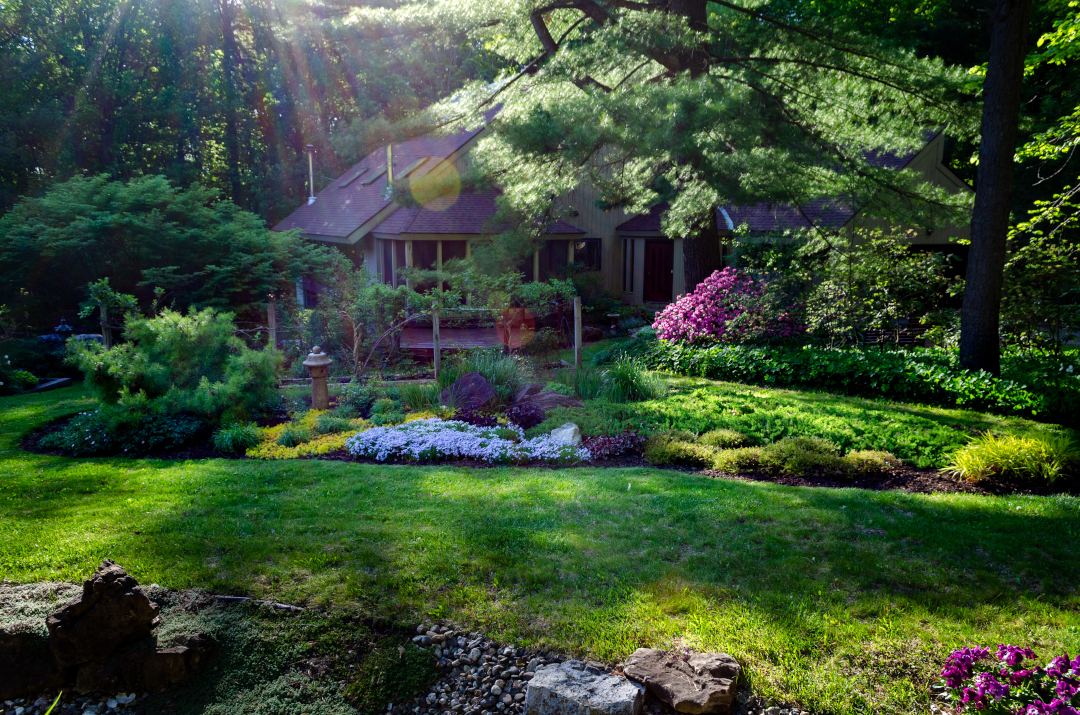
(904, 478)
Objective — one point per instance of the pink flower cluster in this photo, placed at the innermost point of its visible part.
(727, 307)
(1011, 688)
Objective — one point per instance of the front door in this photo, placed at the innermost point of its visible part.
(659, 262)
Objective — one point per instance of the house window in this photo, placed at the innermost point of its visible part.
(587, 254)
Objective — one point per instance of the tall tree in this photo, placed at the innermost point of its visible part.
(705, 102)
(979, 316)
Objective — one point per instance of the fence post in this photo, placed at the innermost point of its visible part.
(577, 333)
(435, 341)
(271, 321)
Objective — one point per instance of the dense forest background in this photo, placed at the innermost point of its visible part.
(227, 93)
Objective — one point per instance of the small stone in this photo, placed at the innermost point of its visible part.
(496, 690)
(566, 690)
(773, 711)
(111, 704)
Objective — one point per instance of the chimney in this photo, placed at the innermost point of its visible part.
(389, 164)
(311, 173)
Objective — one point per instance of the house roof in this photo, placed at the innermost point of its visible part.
(351, 201)
(468, 213)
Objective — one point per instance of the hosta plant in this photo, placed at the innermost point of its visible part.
(1010, 682)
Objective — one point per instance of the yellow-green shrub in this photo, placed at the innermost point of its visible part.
(869, 461)
(676, 447)
(1034, 455)
(742, 459)
(723, 439)
(273, 446)
(799, 455)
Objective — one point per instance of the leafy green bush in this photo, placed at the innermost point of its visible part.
(191, 364)
(361, 394)
(420, 397)
(506, 373)
(14, 381)
(293, 436)
(723, 439)
(382, 405)
(544, 342)
(115, 430)
(236, 438)
(1035, 455)
(926, 376)
(627, 381)
(801, 455)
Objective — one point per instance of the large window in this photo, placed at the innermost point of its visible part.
(587, 254)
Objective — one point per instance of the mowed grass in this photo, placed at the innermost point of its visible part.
(839, 601)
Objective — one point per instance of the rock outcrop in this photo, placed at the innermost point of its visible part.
(692, 683)
(570, 689)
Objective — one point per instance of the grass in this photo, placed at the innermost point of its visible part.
(839, 601)
(923, 436)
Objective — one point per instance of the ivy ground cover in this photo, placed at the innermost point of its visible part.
(839, 601)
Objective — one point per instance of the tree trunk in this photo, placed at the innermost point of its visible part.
(979, 315)
(702, 254)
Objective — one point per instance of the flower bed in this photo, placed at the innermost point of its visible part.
(1008, 686)
(434, 439)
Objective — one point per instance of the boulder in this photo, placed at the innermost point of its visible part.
(139, 670)
(569, 433)
(698, 683)
(470, 391)
(528, 391)
(113, 611)
(567, 689)
(27, 665)
(547, 400)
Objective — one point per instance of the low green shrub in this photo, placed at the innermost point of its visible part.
(382, 406)
(801, 455)
(869, 461)
(625, 380)
(741, 459)
(1034, 455)
(387, 418)
(595, 418)
(543, 343)
(128, 432)
(331, 424)
(293, 436)
(236, 438)
(723, 439)
(419, 397)
(677, 447)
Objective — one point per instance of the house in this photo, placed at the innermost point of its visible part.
(356, 213)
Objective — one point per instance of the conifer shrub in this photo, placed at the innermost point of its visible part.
(869, 461)
(723, 439)
(677, 447)
(740, 459)
(802, 455)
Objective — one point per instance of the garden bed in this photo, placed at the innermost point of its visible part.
(903, 478)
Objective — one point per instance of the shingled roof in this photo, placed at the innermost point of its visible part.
(351, 201)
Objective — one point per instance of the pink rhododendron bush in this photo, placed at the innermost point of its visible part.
(729, 307)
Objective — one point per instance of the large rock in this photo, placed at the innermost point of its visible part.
(113, 610)
(26, 665)
(568, 689)
(139, 670)
(699, 683)
(547, 400)
(470, 391)
(528, 391)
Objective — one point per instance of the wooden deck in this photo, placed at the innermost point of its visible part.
(450, 338)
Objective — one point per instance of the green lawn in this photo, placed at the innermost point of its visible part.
(841, 601)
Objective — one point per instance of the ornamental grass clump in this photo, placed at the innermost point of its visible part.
(730, 307)
(1034, 455)
(236, 438)
(435, 439)
(628, 381)
(1004, 684)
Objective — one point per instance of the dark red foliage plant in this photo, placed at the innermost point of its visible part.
(605, 446)
(525, 415)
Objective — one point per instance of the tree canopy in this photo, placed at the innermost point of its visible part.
(143, 235)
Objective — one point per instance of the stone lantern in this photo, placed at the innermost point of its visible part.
(318, 364)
